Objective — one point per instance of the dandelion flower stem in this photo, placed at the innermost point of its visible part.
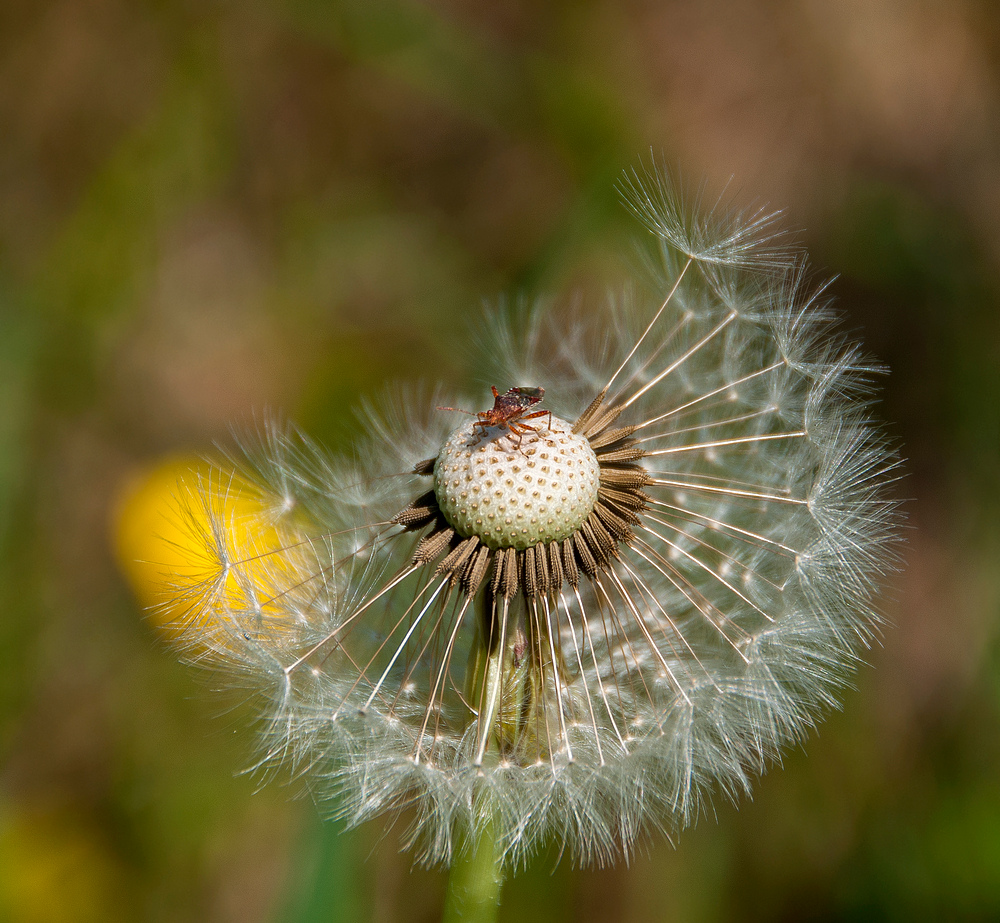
(476, 878)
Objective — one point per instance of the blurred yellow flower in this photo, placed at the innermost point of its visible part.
(54, 867)
(168, 515)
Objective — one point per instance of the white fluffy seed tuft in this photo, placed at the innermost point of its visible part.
(620, 699)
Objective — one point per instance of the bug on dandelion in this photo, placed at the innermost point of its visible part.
(584, 629)
(509, 411)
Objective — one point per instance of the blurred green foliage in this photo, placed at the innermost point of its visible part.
(211, 211)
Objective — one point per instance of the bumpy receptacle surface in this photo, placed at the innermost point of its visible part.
(513, 493)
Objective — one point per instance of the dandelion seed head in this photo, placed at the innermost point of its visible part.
(581, 624)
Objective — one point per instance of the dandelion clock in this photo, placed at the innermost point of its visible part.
(574, 607)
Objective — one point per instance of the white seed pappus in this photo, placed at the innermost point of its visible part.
(453, 632)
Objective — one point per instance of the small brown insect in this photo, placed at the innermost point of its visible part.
(508, 411)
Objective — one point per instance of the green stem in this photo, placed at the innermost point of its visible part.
(475, 880)
(330, 885)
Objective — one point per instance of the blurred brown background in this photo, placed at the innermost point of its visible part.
(215, 209)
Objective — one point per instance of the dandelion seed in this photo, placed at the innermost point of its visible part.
(623, 588)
